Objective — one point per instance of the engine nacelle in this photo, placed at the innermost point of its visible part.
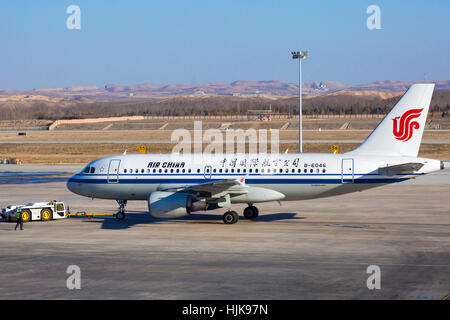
(165, 204)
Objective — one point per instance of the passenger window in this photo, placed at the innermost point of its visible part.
(198, 170)
(238, 170)
(136, 171)
(154, 170)
(165, 170)
(305, 171)
(250, 170)
(244, 170)
(124, 170)
(220, 170)
(226, 170)
(323, 170)
(232, 170)
(189, 170)
(183, 170)
(160, 170)
(281, 170)
(262, 170)
(256, 170)
(142, 170)
(311, 170)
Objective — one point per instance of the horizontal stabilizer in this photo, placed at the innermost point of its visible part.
(404, 168)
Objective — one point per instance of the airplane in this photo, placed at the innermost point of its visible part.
(175, 185)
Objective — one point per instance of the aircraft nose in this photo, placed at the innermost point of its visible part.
(72, 185)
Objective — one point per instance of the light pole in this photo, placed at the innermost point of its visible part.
(300, 55)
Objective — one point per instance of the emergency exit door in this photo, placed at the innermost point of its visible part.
(347, 171)
(207, 171)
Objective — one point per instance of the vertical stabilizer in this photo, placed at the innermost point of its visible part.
(400, 132)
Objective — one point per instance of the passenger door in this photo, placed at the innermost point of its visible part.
(347, 173)
(113, 171)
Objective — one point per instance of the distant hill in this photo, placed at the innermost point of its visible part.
(342, 102)
(243, 88)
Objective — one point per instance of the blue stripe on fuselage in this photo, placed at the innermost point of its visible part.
(247, 181)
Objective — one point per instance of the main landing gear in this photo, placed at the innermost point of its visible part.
(120, 215)
(251, 212)
(231, 217)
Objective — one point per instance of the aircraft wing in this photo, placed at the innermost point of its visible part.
(216, 189)
(403, 168)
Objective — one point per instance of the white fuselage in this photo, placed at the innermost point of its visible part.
(296, 176)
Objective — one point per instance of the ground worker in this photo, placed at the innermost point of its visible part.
(19, 220)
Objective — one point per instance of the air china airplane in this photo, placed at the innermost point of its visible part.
(175, 185)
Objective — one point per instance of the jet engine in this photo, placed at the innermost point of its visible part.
(165, 204)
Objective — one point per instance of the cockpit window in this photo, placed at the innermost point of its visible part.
(86, 170)
(92, 169)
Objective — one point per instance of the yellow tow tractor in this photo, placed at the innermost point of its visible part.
(41, 211)
(45, 211)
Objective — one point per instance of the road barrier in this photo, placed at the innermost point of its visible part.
(245, 117)
(10, 161)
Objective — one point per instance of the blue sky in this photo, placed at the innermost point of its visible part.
(132, 42)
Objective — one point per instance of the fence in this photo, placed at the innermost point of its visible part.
(219, 117)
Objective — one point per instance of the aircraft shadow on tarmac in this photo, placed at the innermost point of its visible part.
(142, 218)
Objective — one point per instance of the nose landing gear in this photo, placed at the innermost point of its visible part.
(120, 215)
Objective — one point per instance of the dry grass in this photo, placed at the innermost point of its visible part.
(81, 153)
(57, 153)
(166, 135)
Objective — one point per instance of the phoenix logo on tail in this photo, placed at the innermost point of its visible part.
(403, 127)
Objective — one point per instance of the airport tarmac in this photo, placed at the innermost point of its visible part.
(315, 249)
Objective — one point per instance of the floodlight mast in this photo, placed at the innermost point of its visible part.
(300, 55)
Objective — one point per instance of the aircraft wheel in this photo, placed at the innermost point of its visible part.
(251, 212)
(120, 215)
(230, 217)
